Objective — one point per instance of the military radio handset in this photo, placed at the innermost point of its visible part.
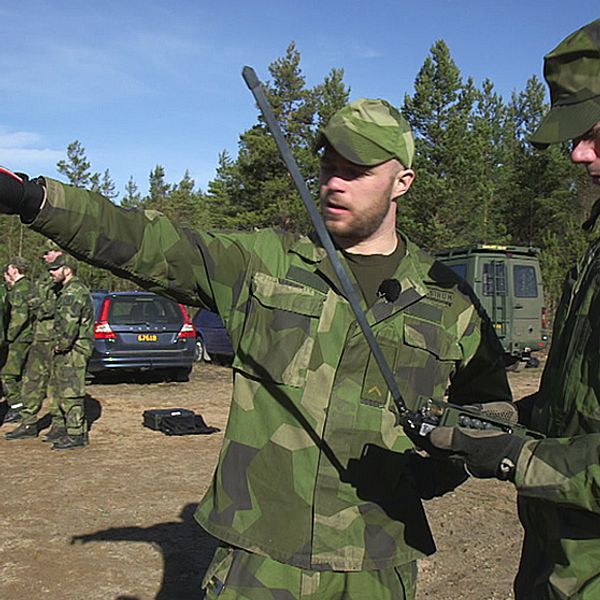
(428, 413)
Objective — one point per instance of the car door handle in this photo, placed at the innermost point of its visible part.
(518, 306)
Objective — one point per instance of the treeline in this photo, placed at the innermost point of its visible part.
(478, 179)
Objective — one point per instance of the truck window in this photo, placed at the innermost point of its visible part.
(460, 269)
(525, 281)
(494, 279)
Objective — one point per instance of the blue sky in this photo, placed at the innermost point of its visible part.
(141, 83)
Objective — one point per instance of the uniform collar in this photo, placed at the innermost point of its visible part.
(412, 272)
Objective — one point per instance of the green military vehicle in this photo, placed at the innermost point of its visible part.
(508, 282)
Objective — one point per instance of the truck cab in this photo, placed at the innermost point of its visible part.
(508, 282)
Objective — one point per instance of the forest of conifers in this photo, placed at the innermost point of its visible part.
(478, 178)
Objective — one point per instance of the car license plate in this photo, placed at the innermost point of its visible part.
(147, 337)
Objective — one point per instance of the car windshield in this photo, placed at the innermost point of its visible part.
(129, 310)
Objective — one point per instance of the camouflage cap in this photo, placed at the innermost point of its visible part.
(19, 262)
(64, 260)
(369, 132)
(572, 71)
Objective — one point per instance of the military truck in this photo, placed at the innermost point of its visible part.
(508, 282)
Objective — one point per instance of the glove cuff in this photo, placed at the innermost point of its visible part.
(34, 191)
(508, 465)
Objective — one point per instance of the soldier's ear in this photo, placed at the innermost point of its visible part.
(402, 182)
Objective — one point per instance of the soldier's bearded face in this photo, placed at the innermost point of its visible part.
(586, 151)
(58, 275)
(357, 202)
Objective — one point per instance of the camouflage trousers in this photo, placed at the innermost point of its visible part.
(236, 574)
(66, 388)
(34, 384)
(12, 373)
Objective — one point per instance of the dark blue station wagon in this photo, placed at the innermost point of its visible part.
(140, 331)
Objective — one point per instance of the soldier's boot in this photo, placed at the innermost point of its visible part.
(22, 431)
(54, 434)
(12, 416)
(69, 442)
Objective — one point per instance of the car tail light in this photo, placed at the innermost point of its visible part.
(188, 329)
(544, 318)
(102, 330)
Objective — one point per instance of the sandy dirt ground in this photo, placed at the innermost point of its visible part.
(114, 521)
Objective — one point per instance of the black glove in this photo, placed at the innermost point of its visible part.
(499, 409)
(20, 195)
(487, 452)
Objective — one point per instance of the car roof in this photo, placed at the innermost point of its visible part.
(130, 293)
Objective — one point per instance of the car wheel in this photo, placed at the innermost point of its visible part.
(200, 353)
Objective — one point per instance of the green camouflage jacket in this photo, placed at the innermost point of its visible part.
(44, 306)
(19, 328)
(74, 319)
(313, 471)
(559, 479)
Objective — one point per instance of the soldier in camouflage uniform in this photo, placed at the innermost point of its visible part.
(72, 344)
(558, 479)
(37, 368)
(317, 492)
(19, 333)
(3, 322)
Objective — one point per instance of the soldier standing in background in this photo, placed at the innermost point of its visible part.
(19, 333)
(37, 368)
(3, 323)
(72, 344)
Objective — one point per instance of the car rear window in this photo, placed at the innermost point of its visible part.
(525, 281)
(129, 310)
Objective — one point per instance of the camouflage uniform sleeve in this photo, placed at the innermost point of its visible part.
(564, 471)
(18, 316)
(143, 246)
(481, 375)
(66, 322)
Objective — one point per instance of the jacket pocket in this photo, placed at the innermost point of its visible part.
(427, 358)
(279, 330)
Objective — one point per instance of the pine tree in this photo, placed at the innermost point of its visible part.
(438, 114)
(255, 190)
(132, 198)
(159, 189)
(77, 167)
(103, 184)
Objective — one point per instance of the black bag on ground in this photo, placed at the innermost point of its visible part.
(176, 421)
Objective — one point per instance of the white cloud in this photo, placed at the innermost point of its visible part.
(366, 52)
(24, 150)
(18, 139)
